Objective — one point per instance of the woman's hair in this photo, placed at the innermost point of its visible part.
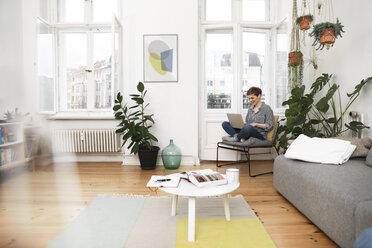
(254, 91)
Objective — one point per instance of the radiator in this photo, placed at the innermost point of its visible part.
(86, 140)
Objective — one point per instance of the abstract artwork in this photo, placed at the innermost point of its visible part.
(160, 55)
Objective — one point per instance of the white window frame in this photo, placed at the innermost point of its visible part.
(86, 26)
(237, 26)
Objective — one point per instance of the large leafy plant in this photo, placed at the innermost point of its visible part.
(134, 123)
(324, 118)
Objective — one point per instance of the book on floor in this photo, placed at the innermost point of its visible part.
(163, 182)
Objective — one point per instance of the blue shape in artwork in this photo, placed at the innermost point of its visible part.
(167, 60)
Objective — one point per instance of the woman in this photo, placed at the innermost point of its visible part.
(259, 119)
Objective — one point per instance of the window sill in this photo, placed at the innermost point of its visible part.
(82, 116)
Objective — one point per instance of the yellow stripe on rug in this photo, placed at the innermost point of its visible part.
(220, 233)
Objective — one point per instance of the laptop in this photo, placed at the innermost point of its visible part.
(236, 120)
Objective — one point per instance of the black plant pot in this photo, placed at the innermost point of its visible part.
(148, 157)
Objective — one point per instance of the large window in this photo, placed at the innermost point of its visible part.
(242, 47)
(87, 58)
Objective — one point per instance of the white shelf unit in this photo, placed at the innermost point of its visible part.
(12, 146)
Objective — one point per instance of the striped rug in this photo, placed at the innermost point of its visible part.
(142, 222)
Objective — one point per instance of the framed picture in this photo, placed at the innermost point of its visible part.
(160, 58)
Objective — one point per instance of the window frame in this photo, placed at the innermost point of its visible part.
(114, 28)
(237, 26)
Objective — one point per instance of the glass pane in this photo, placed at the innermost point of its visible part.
(45, 67)
(255, 10)
(74, 72)
(103, 9)
(102, 70)
(219, 72)
(218, 10)
(254, 47)
(71, 10)
(281, 74)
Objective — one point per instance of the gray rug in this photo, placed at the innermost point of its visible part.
(139, 222)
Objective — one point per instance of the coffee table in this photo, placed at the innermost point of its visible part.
(191, 191)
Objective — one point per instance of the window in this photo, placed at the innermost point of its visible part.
(238, 46)
(218, 54)
(87, 59)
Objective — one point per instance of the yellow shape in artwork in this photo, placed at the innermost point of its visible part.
(156, 63)
(220, 233)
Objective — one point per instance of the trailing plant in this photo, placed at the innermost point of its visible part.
(295, 74)
(135, 125)
(295, 62)
(324, 118)
(320, 28)
(300, 18)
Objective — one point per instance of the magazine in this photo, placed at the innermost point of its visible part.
(163, 182)
(202, 178)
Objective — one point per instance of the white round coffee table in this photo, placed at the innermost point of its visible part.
(191, 191)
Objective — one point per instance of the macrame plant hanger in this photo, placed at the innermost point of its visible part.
(304, 20)
(295, 59)
(326, 15)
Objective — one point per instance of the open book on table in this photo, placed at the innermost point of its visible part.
(163, 181)
(202, 178)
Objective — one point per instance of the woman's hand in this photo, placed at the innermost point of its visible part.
(263, 126)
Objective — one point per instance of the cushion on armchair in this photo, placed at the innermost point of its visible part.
(251, 142)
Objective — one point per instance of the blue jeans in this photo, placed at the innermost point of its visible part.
(246, 132)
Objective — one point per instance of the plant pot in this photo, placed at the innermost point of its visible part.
(294, 58)
(305, 23)
(148, 157)
(171, 156)
(327, 37)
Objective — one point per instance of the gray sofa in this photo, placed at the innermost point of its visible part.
(336, 198)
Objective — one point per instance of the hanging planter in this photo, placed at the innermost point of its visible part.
(304, 21)
(294, 58)
(326, 33)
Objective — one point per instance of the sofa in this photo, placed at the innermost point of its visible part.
(336, 198)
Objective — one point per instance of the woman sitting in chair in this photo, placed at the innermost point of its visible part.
(258, 122)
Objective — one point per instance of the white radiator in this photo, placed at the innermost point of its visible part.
(86, 140)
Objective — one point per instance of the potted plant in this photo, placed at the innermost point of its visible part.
(326, 33)
(294, 58)
(317, 116)
(304, 21)
(134, 125)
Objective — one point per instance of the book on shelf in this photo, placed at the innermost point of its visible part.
(207, 177)
(163, 182)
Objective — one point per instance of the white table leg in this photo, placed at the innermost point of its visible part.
(191, 221)
(226, 206)
(174, 205)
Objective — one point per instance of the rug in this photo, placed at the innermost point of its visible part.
(142, 222)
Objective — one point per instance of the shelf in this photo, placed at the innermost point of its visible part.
(16, 163)
(11, 143)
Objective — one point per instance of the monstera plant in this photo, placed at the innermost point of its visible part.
(322, 118)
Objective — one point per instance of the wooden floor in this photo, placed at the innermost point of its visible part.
(36, 206)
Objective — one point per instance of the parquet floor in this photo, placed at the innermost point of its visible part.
(36, 206)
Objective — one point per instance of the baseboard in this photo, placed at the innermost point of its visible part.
(126, 159)
(130, 159)
(87, 157)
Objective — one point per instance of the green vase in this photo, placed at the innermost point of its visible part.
(171, 156)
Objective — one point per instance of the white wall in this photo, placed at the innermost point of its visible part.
(350, 60)
(174, 105)
(11, 64)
